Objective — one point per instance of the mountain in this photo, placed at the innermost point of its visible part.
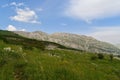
(28, 59)
(80, 42)
(118, 45)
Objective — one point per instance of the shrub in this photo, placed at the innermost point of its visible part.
(2, 62)
(118, 56)
(100, 56)
(111, 57)
(93, 57)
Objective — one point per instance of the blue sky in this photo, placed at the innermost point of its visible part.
(97, 18)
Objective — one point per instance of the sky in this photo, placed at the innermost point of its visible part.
(97, 18)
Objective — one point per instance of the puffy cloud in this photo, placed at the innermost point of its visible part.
(89, 10)
(11, 28)
(25, 15)
(108, 34)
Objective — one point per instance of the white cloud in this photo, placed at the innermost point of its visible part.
(22, 30)
(89, 10)
(108, 34)
(11, 28)
(13, 4)
(16, 4)
(25, 15)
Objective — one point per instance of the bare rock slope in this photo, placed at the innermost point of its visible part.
(80, 42)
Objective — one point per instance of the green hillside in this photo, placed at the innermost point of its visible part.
(28, 59)
(12, 38)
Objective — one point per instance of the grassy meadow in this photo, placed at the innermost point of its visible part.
(33, 63)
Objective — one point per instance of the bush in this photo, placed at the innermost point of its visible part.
(2, 62)
(100, 56)
(111, 57)
(118, 56)
(93, 57)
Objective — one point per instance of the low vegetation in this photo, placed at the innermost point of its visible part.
(56, 65)
(20, 63)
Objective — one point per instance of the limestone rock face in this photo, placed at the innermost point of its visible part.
(80, 42)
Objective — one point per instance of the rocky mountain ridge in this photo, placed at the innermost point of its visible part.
(80, 42)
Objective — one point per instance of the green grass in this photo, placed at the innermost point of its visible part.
(57, 64)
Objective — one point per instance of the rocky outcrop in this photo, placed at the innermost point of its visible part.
(80, 42)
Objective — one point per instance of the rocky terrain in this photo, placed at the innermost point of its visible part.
(80, 42)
